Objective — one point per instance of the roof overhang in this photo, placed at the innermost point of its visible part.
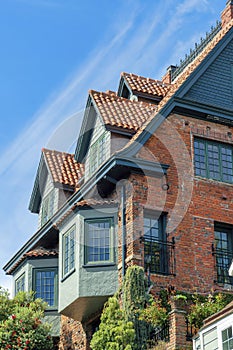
(115, 168)
(38, 187)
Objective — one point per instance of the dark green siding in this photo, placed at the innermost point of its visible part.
(214, 87)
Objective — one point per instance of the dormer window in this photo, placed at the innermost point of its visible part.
(47, 207)
(98, 152)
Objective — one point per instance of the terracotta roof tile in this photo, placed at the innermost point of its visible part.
(86, 203)
(35, 253)
(184, 76)
(40, 251)
(63, 167)
(146, 85)
(120, 112)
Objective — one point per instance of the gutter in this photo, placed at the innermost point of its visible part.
(137, 165)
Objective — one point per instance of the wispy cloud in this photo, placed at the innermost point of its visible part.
(132, 43)
(18, 162)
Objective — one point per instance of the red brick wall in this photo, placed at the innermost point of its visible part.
(73, 335)
(192, 204)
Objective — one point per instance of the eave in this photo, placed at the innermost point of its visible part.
(114, 168)
(41, 175)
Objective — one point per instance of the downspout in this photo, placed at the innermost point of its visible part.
(123, 229)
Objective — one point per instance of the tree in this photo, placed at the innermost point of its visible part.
(135, 299)
(21, 325)
(129, 316)
(114, 333)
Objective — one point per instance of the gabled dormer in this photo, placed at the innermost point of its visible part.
(58, 177)
(109, 123)
(138, 88)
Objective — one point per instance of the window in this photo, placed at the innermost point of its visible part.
(223, 252)
(98, 237)
(98, 152)
(227, 339)
(210, 339)
(47, 207)
(156, 250)
(213, 160)
(68, 251)
(45, 285)
(20, 284)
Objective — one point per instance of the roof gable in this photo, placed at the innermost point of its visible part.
(64, 171)
(117, 113)
(142, 86)
(213, 81)
(180, 87)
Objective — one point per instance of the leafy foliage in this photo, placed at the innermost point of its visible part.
(127, 321)
(20, 323)
(155, 314)
(204, 307)
(135, 299)
(114, 333)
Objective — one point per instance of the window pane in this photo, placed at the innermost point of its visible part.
(155, 249)
(98, 240)
(20, 284)
(213, 160)
(223, 253)
(47, 207)
(68, 251)
(45, 286)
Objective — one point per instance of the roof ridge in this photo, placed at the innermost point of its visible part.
(183, 77)
(55, 151)
(195, 63)
(120, 98)
(146, 78)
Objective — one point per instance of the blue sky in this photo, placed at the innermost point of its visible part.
(52, 53)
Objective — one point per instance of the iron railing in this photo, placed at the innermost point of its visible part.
(159, 334)
(223, 259)
(159, 256)
(191, 330)
(199, 47)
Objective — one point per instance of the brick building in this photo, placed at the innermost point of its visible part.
(150, 184)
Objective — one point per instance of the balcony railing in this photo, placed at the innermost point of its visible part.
(191, 330)
(159, 256)
(159, 334)
(223, 259)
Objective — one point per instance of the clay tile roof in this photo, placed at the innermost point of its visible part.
(35, 253)
(184, 75)
(120, 112)
(146, 85)
(95, 202)
(90, 202)
(41, 252)
(63, 167)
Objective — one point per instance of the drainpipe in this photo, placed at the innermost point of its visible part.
(123, 229)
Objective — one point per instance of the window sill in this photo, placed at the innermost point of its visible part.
(107, 264)
(207, 179)
(68, 274)
(51, 309)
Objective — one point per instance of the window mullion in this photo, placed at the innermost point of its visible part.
(206, 159)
